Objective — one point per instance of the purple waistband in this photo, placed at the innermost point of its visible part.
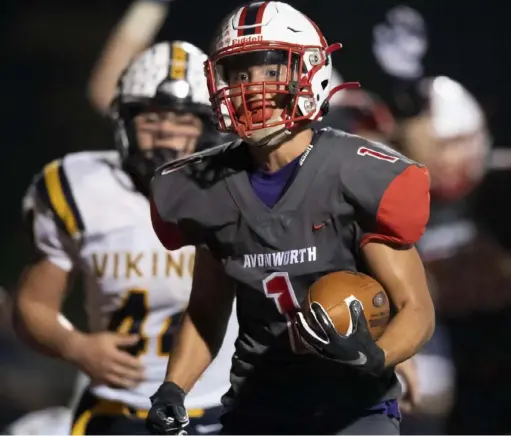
(389, 408)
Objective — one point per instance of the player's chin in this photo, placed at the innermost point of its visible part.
(177, 144)
(262, 137)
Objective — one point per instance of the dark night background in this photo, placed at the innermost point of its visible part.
(47, 52)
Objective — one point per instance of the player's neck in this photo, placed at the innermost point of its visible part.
(272, 159)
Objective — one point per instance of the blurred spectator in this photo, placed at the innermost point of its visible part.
(134, 32)
(360, 112)
(468, 267)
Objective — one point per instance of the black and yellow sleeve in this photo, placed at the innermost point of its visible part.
(54, 190)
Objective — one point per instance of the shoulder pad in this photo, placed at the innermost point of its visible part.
(365, 147)
(389, 192)
(54, 190)
(197, 158)
(59, 183)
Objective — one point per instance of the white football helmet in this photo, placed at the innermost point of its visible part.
(455, 112)
(456, 115)
(167, 70)
(167, 76)
(262, 34)
(449, 134)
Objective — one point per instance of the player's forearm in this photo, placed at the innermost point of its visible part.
(190, 356)
(134, 32)
(205, 323)
(46, 330)
(408, 331)
(401, 273)
(197, 345)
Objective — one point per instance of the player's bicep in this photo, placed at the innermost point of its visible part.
(44, 283)
(38, 301)
(47, 239)
(402, 274)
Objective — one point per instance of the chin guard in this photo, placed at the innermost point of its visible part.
(141, 166)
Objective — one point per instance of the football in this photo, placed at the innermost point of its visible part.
(335, 291)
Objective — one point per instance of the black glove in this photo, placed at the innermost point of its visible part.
(168, 413)
(357, 349)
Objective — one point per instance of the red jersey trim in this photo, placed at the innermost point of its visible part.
(167, 233)
(403, 212)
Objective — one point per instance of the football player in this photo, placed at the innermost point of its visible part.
(272, 212)
(448, 131)
(90, 212)
(365, 114)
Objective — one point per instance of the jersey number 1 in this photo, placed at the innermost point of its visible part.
(363, 151)
(278, 286)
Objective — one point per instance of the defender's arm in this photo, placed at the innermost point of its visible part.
(37, 307)
(43, 283)
(37, 318)
(40, 325)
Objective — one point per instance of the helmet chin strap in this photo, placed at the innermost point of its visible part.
(267, 136)
(271, 139)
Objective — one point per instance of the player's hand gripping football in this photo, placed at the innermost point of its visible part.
(168, 413)
(357, 349)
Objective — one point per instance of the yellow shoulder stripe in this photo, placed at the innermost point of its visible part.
(61, 198)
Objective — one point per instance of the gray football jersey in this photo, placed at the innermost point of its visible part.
(346, 191)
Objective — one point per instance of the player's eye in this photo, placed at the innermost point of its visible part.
(242, 77)
(272, 74)
(151, 118)
(238, 77)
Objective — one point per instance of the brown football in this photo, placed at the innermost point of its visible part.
(336, 290)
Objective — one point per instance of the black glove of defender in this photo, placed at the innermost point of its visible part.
(168, 413)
